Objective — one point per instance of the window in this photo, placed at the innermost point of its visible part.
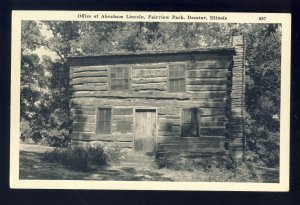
(103, 121)
(119, 78)
(189, 123)
(177, 78)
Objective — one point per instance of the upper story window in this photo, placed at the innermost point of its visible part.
(119, 78)
(176, 79)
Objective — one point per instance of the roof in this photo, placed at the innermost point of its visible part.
(145, 56)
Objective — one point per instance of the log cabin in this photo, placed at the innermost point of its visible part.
(185, 102)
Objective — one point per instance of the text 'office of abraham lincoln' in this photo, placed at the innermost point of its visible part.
(185, 102)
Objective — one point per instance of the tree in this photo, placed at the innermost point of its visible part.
(44, 100)
(263, 93)
(34, 90)
(45, 83)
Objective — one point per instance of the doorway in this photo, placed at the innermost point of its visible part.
(145, 131)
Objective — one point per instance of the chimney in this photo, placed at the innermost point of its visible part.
(236, 123)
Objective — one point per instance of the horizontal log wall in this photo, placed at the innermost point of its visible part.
(202, 77)
(84, 124)
(211, 123)
(206, 90)
(211, 126)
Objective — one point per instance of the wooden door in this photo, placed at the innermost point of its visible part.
(145, 129)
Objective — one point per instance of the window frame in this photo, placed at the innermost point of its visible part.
(177, 78)
(197, 122)
(97, 121)
(129, 77)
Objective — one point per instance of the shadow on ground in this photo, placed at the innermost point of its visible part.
(32, 166)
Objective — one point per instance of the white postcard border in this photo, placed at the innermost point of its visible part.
(283, 185)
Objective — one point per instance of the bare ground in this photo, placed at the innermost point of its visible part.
(32, 166)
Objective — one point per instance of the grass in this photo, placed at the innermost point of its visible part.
(221, 168)
(33, 166)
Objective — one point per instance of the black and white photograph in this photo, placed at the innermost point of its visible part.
(151, 97)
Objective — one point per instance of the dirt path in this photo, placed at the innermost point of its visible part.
(32, 166)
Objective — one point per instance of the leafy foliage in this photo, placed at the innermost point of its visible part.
(44, 92)
(213, 169)
(45, 82)
(83, 158)
(78, 158)
(114, 153)
(263, 94)
(31, 36)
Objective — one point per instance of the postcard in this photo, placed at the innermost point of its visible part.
(150, 100)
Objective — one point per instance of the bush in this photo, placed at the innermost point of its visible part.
(221, 162)
(56, 155)
(171, 161)
(59, 141)
(177, 162)
(78, 158)
(213, 169)
(114, 153)
(96, 155)
(241, 173)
